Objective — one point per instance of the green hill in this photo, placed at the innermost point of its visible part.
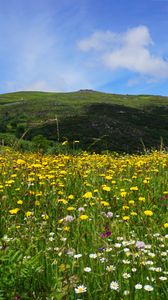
(98, 120)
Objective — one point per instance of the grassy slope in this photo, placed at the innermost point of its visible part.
(100, 121)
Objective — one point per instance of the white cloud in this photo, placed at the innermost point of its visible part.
(131, 50)
(97, 41)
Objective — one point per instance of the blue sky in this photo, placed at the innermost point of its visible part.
(115, 46)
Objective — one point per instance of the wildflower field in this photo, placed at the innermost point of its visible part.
(83, 227)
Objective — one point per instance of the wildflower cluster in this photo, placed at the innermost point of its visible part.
(86, 226)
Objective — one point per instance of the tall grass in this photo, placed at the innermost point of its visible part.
(84, 226)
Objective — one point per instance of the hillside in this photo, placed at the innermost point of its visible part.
(98, 120)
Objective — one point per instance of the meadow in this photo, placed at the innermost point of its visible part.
(87, 226)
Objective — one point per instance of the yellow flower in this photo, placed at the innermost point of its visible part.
(108, 177)
(37, 203)
(65, 143)
(87, 195)
(123, 194)
(19, 202)
(148, 213)
(60, 221)
(125, 207)
(20, 162)
(63, 201)
(113, 182)
(17, 226)
(105, 203)
(133, 213)
(66, 228)
(106, 188)
(45, 217)
(62, 267)
(131, 201)
(126, 218)
(83, 217)
(29, 213)
(134, 188)
(71, 197)
(70, 208)
(165, 225)
(142, 199)
(14, 211)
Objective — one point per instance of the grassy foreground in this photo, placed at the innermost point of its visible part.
(83, 227)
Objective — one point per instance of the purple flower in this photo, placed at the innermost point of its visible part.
(105, 234)
(140, 244)
(109, 214)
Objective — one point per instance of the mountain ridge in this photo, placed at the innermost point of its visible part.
(101, 121)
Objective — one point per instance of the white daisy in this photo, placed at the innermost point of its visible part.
(148, 288)
(114, 286)
(138, 286)
(126, 275)
(93, 255)
(163, 278)
(126, 292)
(77, 255)
(87, 269)
(80, 289)
(110, 268)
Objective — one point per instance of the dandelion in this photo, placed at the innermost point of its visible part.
(87, 195)
(105, 203)
(114, 286)
(29, 213)
(66, 228)
(70, 208)
(133, 213)
(142, 199)
(80, 289)
(126, 218)
(148, 213)
(83, 217)
(134, 188)
(165, 225)
(106, 188)
(20, 202)
(14, 211)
